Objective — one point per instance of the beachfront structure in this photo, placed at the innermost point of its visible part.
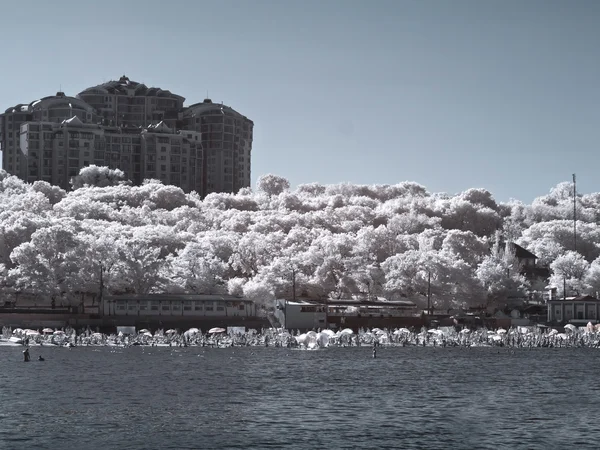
(174, 306)
(576, 310)
(146, 132)
(300, 314)
(342, 313)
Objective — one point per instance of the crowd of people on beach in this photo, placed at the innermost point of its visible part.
(514, 337)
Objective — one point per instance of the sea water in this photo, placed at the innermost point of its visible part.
(258, 398)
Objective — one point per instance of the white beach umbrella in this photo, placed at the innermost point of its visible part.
(435, 331)
(347, 331)
(301, 339)
(58, 332)
(402, 331)
(217, 330)
(47, 330)
(323, 339)
(171, 331)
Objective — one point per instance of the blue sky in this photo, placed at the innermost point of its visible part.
(452, 94)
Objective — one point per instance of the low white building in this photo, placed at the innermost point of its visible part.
(178, 305)
(300, 314)
(306, 314)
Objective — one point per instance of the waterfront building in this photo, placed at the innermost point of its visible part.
(345, 313)
(145, 132)
(175, 306)
(576, 310)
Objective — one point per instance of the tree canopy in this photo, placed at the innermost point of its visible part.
(339, 240)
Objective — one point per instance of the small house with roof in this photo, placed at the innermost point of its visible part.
(527, 261)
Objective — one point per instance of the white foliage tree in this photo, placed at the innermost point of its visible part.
(272, 184)
(569, 271)
(99, 177)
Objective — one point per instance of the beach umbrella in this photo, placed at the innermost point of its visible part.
(147, 334)
(171, 331)
(328, 332)
(402, 331)
(143, 330)
(301, 339)
(216, 330)
(465, 331)
(31, 333)
(501, 331)
(570, 327)
(347, 331)
(47, 330)
(323, 339)
(57, 332)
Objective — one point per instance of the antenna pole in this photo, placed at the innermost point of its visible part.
(574, 214)
(429, 293)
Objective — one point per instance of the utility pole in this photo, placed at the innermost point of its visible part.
(429, 293)
(101, 297)
(293, 284)
(574, 214)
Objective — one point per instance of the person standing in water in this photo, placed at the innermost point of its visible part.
(26, 356)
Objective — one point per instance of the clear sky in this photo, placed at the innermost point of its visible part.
(452, 94)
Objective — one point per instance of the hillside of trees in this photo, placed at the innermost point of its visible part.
(326, 240)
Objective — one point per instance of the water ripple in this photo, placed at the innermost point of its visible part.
(257, 398)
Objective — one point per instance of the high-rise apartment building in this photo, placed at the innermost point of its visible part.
(146, 132)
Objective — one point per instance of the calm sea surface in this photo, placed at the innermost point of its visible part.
(421, 398)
